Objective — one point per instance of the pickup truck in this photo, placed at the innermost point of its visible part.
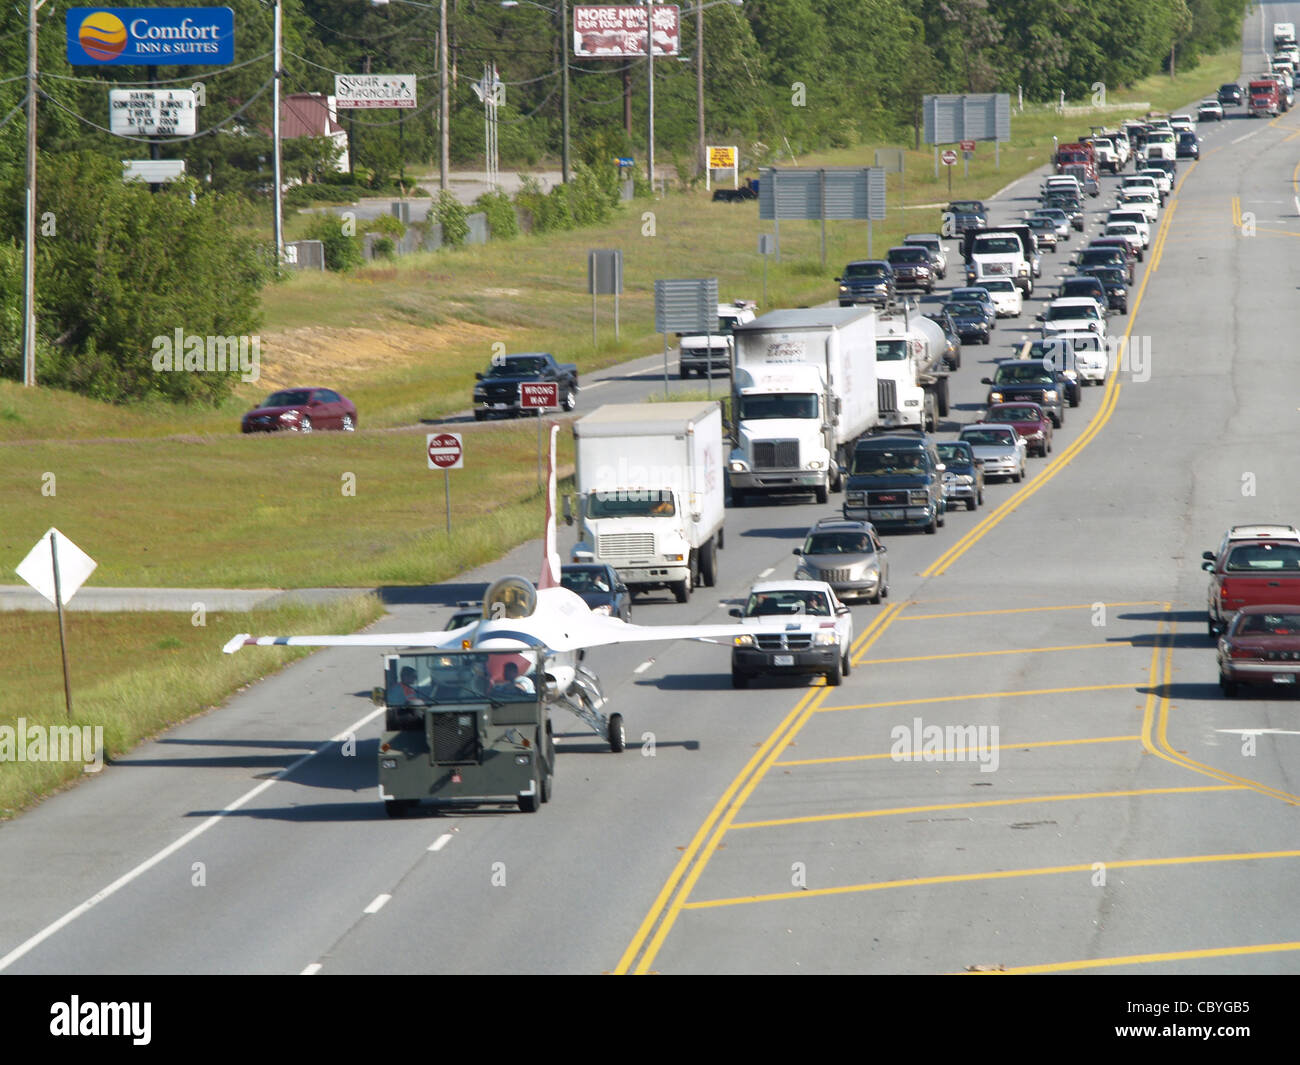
(497, 390)
(1251, 572)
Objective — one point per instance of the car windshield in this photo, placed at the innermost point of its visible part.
(582, 579)
(838, 543)
(996, 246)
(1022, 372)
(908, 255)
(966, 207)
(989, 437)
(1161, 136)
(1007, 415)
(438, 679)
(648, 503)
(1264, 558)
(294, 397)
(1000, 285)
(1079, 288)
(864, 270)
(1122, 229)
(875, 463)
(954, 454)
(979, 295)
(778, 405)
(1269, 625)
(1057, 314)
(965, 310)
(787, 603)
(517, 367)
(891, 350)
(1108, 275)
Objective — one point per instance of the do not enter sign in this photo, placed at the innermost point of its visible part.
(949, 158)
(445, 451)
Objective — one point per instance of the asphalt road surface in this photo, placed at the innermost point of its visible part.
(1115, 812)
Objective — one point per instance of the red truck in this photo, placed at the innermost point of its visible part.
(1079, 160)
(1251, 571)
(1264, 98)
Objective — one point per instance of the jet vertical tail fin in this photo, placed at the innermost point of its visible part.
(550, 577)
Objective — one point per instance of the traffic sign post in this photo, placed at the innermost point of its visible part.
(445, 452)
(949, 161)
(56, 567)
(539, 396)
(967, 150)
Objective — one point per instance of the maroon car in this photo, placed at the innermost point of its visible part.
(1029, 420)
(1261, 646)
(301, 410)
(1250, 572)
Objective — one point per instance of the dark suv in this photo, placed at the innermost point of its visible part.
(963, 215)
(1230, 94)
(912, 268)
(896, 481)
(867, 281)
(1029, 381)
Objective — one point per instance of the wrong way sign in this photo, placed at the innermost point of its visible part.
(445, 451)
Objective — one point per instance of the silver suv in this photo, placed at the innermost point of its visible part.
(847, 555)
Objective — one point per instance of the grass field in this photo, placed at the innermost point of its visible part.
(136, 674)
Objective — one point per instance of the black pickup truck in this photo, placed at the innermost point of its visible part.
(497, 390)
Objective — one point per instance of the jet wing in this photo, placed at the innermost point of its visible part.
(599, 631)
(444, 638)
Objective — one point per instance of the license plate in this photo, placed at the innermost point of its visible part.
(887, 515)
(500, 406)
(783, 660)
(1283, 678)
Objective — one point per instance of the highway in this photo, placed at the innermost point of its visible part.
(1134, 821)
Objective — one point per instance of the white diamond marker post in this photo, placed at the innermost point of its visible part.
(56, 567)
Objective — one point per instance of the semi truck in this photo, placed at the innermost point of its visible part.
(1283, 34)
(804, 388)
(651, 493)
(910, 352)
(709, 354)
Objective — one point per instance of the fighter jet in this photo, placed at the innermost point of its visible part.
(543, 618)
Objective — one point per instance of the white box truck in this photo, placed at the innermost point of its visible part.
(803, 390)
(910, 350)
(651, 497)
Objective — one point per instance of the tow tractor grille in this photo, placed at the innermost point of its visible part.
(626, 545)
(776, 454)
(786, 641)
(454, 738)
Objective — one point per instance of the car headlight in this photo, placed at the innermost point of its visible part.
(815, 464)
(1038, 435)
(1050, 396)
(918, 497)
(802, 572)
(855, 499)
(739, 466)
(826, 639)
(743, 640)
(844, 288)
(602, 609)
(995, 397)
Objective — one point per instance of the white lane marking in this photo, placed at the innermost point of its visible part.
(765, 572)
(378, 904)
(644, 666)
(1259, 731)
(1246, 136)
(595, 384)
(312, 969)
(440, 842)
(126, 878)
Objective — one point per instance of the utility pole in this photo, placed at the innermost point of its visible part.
(443, 119)
(699, 87)
(566, 43)
(275, 136)
(29, 221)
(650, 68)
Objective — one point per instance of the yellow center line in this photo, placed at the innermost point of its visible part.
(1028, 610)
(1132, 686)
(1024, 800)
(1001, 874)
(985, 654)
(1136, 959)
(1000, 747)
(686, 873)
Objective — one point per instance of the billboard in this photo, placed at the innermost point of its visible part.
(150, 36)
(374, 90)
(610, 32)
(151, 112)
(982, 117)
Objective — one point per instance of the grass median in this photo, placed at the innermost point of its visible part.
(133, 675)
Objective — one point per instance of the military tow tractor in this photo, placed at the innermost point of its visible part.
(473, 726)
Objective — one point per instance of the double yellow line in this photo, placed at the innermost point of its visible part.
(658, 922)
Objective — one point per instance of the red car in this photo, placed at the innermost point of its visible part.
(1261, 646)
(1250, 572)
(302, 410)
(1029, 420)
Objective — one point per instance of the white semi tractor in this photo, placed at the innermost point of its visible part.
(804, 388)
(910, 352)
(651, 494)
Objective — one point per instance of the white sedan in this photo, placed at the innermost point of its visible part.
(1142, 198)
(1073, 314)
(1090, 355)
(1007, 300)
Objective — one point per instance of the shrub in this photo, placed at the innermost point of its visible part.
(502, 221)
(342, 250)
(451, 213)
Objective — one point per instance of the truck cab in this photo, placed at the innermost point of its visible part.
(896, 481)
(1010, 252)
(708, 354)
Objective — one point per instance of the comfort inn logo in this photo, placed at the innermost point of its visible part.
(102, 35)
(150, 36)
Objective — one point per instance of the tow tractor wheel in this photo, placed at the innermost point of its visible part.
(617, 738)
